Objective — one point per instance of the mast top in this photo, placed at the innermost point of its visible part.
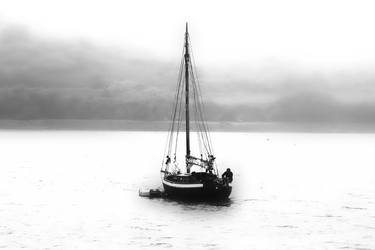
(186, 27)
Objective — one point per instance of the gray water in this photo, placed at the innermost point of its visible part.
(79, 190)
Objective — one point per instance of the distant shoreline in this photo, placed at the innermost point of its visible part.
(126, 125)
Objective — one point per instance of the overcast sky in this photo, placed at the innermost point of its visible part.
(257, 60)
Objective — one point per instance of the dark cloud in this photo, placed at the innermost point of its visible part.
(44, 78)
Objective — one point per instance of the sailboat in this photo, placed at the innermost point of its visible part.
(198, 176)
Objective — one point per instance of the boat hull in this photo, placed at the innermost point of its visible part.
(206, 191)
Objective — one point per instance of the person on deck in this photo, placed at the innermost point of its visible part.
(209, 169)
(168, 160)
(210, 164)
(227, 176)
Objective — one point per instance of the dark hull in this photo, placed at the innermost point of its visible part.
(209, 191)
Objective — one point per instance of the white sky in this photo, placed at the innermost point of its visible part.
(319, 33)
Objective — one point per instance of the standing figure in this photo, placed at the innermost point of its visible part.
(227, 176)
(168, 160)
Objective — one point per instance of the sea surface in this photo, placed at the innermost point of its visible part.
(79, 190)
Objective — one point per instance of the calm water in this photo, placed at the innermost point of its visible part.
(78, 190)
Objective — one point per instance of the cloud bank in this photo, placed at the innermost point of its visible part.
(43, 78)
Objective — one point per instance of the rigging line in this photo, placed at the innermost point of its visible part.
(195, 103)
(202, 144)
(206, 141)
(196, 120)
(206, 129)
(196, 106)
(177, 91)
(200, 97)
(179, 116)
(205, 132)
(200, 121)
(205, 125)
(198, 85)
(198, 125)
(171, 127)
(175, 105)
(200, 129)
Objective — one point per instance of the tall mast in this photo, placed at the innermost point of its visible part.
(187, 59)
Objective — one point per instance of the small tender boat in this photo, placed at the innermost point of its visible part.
(199, 178)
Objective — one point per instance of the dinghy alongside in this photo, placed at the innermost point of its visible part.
(151, 193)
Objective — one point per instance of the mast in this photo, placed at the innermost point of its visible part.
(187, 58)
